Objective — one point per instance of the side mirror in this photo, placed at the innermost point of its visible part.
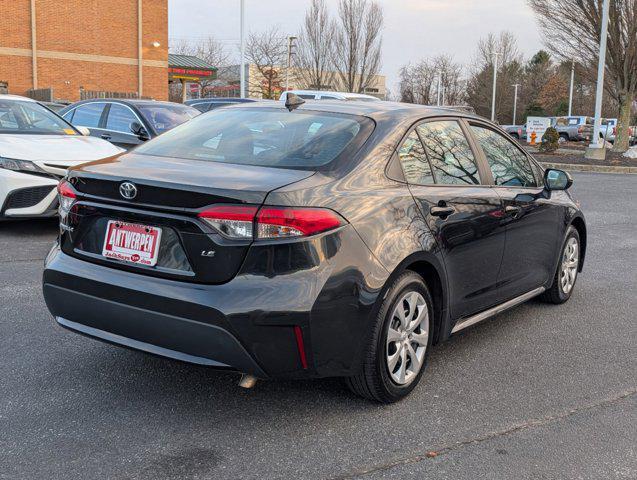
(84, 131)
(557, 179)
(139, 130)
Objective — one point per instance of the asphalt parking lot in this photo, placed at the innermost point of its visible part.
(537, 392)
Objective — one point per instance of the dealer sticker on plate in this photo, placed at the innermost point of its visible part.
(132, 242)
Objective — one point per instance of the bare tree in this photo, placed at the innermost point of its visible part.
(315, 43)
(479, 85)
(419, 82)
(357, 43)
(573, 30)
(267, 52)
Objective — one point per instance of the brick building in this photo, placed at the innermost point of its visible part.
(116, 46)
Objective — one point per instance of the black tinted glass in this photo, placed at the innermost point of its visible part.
(508, 164)
(449, 153)
(266, 137)
(415, 165)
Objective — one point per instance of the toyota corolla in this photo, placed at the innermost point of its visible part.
(311, 240)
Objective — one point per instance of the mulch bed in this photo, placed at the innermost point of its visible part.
(613, 159)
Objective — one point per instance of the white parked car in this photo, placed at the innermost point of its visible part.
(327, 95)
(36, 148)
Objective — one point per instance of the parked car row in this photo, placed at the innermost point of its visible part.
(575, 129)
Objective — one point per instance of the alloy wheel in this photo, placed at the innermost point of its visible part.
(407, 338)
(570, 262)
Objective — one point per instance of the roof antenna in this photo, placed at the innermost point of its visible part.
(293, 101)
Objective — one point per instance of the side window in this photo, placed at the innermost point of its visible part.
(509, 165)
(449, 153)
(88, 115)
(68, 116)
(412, 158)
(120, 118)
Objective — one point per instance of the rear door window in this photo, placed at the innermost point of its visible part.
(414, 162)
(120, 118)
(509, 166)
(88, 115)
(449, 153)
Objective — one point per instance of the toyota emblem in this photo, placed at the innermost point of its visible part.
(128, 190)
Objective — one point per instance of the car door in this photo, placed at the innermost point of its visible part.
(532, 220)
(463, 213)
(117, 128)
(87, 115)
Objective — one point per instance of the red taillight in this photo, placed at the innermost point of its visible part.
(300, 345)
(275, 222)
(65, 189)
(239, 221)
(580, 129)
(232, 221)
(66, 198)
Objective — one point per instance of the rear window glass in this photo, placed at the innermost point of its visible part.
(163, 117)
(264, 137)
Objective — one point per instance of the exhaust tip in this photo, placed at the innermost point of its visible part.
(247, 381)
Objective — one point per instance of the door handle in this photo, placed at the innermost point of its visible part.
(441, 211)
(106, 136)
(513, 210)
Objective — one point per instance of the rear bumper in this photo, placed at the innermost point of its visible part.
(248, 324)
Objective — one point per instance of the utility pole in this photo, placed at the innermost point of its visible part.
(495, 80)
(438, 89)
(570, 92)
(287, 70)
(515, 102)
(595, 150)
(242, 74)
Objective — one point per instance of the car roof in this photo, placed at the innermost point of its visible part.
(333, 93)
(378, 111)
(6, 96)
(130, 101)
(220, 100)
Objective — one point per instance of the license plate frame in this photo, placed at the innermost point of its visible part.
(133, 243)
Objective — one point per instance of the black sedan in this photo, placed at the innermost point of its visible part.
(125, 122)
(311, 240)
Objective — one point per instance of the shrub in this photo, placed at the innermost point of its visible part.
(550, 140)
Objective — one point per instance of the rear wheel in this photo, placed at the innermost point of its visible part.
(399, 346)
(565, 277)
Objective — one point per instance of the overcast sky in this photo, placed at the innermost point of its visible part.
(414, 29)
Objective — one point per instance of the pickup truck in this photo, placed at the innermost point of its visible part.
(609, 131)
(574, 129)
(516, 131)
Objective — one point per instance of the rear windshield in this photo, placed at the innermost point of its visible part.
(163, 117)
(260, 136)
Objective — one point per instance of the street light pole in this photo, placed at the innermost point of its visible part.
(594, 150)
(515, 101)
(495, 80)
(570, 93)
(287, 70)
(242, 74)
(438, 89)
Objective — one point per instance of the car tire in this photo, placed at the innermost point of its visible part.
(378, 380)
(567, 269)
(564, 137)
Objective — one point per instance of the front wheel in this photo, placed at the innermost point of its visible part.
(565, 277)
(400, 341)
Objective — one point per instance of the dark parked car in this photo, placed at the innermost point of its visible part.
(127, 123)
(206, 104)
(334, 239)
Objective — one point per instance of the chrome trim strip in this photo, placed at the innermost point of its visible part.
(467, 322)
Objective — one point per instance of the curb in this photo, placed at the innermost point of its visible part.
(573, 167)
